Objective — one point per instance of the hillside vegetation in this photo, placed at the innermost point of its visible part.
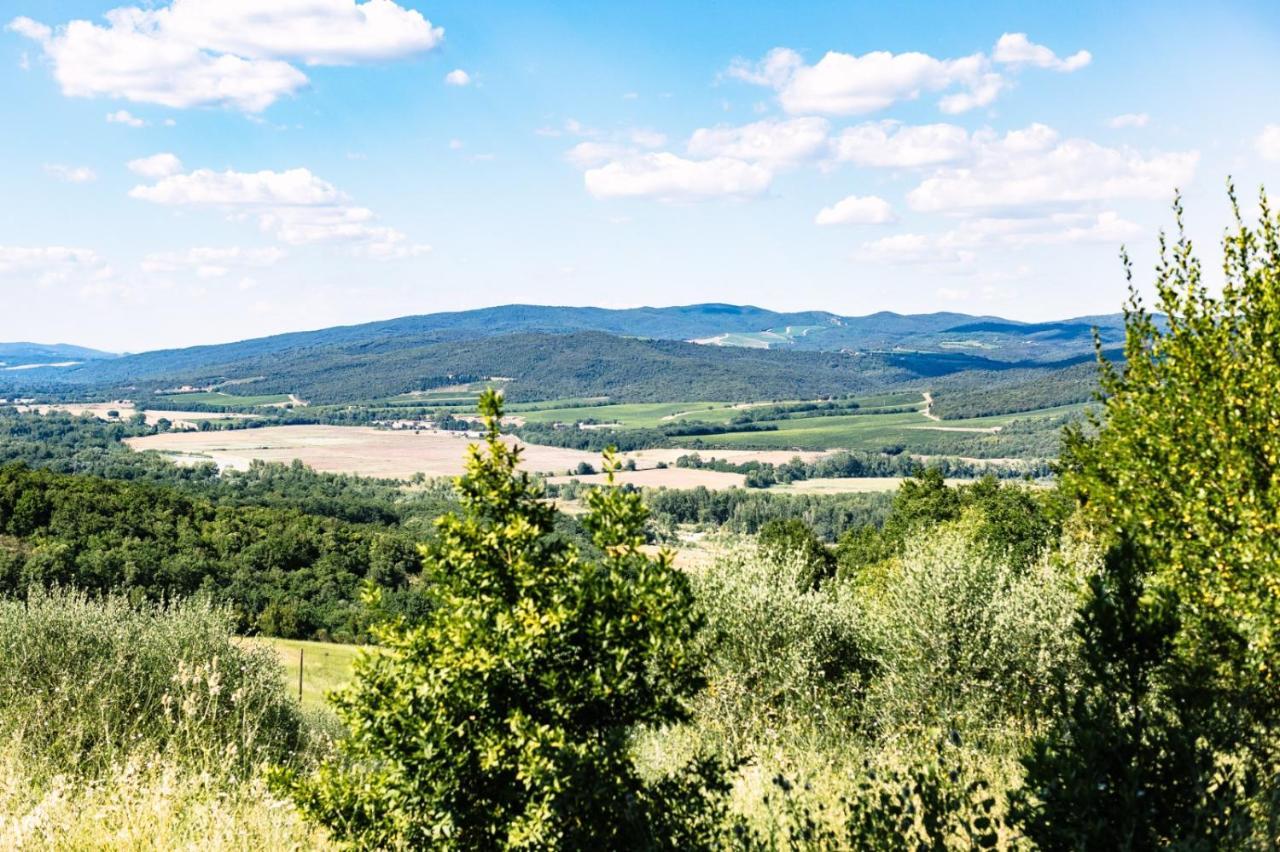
(1089, 664)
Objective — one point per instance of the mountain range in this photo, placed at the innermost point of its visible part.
(705, 351)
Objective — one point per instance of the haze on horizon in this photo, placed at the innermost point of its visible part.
(336, 161)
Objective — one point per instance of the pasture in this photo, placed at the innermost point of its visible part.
(326, 666)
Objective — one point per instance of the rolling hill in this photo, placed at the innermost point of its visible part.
(639, 354)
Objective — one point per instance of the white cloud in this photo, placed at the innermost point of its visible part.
(774, 143)
(1033, 168)
(71, 174)
(205, 186)
(962, 244)
(156, 166)
(123, 116)
(233, 53)
(584, 155)
(314, 32)
(856, 210)
(1267, 143)
(646, 138)
(457, 77)
(888, 144)
(911, 250)
(295, 206)
(668, 177)
(41, 258)
(844, 84)
(49, 265)
(1016, 49)
(1130, 119)
(211, 262)
(847, 84)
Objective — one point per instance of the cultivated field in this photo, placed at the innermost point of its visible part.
(125, 410)
(347, 449)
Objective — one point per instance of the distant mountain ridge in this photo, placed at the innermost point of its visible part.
(595, 352)
(22, 353)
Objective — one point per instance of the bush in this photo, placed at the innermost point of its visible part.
(966, 640)
(87, 684)
(782, 655)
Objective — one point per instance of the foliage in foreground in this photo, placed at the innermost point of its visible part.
(87, 684)
(503, 719)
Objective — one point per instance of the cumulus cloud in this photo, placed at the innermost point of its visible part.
(71, 174)
(457, 77)
(156, 166)
(123, 116)
(844, 84)
(889, 144)
(848, 84)
(1034, 168)
(668, 177)
(236, 53)
(295, 206)
(1267, 143)
(1016, 49)
(774, 143)
(207, 187)
(1130, 119)
(856, 210)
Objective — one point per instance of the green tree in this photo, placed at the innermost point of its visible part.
(503, 718)
(1185, 459)
(792, 542)
(1129, 761)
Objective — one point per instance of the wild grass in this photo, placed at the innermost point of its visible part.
(142, 727)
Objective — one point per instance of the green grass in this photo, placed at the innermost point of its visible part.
(224, 399)
(325, 665)
(649, 415)
(638, 415)
(869, 431)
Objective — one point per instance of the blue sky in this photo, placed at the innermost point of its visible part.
(195, 171)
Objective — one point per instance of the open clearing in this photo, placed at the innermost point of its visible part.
(348, 449)
(325, 665)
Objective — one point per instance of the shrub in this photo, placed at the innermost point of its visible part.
(782, 655)
(503, 718)
(791, 541)
(87, 684)
(967, 640)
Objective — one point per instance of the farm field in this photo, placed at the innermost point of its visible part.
(648, 415)
(226, 399)
(869, 432)
(125, 410)
(347, 449)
